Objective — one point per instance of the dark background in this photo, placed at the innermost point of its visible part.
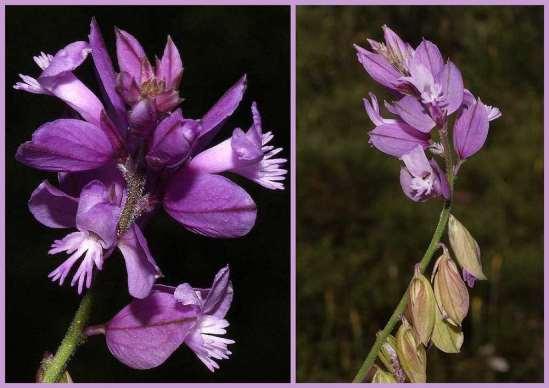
(358, 236)
(217, 44)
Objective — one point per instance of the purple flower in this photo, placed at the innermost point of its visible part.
(96, 215)
(146, 332)
(434, 89)
(146, 88)
(58, 80)
(422, 179)
(388, 62)
(163, 147)
(392, 136)
(428, 92)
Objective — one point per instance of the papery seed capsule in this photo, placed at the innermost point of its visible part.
(411, 353)
(465, 248)
(450, 290)
(383, 377)
(387, 353)
(446, 336)
(421, 302)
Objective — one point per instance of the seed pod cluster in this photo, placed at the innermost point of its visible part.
(435, 310)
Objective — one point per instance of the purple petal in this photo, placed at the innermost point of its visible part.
(142, 117)
(210, 205)
(112, 132)
(130, 54)
(471, 130)
(170, 67)
(52, 207)
(66, 145)
(406, 184)
(105, 71)
(395, 44)
(414, 113)
(67, 59)
(172, 139)
(442, 186)
(452, 86)
(378, 68)
(140, 265)
(147, 331)
(74, 93)
(73, 183)
(221, 111)
(397, 139)
(167, 101)
(429, 55)
(96, 213)
(186, 295)
(127, 87)
(220, 295)
(416, 162)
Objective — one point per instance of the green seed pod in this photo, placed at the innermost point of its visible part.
(446, 336)
(387, 353)
(465, 248)
(411, 354)
(383, 377)
(422, 305)
(450, 290)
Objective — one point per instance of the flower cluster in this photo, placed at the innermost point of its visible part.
(131, 154)
(429, 93)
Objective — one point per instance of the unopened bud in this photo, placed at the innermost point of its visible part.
(422, 305)
(450, 290)
(446, 336)
(411, 353)
(383, 377)
(465, 248)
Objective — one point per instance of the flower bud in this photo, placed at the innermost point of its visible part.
(421, 302)
(411, 354)
(465, 248)
(446, 336)
(450, 290)
(383, 377)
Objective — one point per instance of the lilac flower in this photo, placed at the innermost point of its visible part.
(388, 62)
(392, 136)
(422, 179)
(146, 332)
(428, 92)
(96, 214)
(434, 89)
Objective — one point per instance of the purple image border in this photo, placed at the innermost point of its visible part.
(293, 164)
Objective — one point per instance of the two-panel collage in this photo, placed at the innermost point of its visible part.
(273, 193)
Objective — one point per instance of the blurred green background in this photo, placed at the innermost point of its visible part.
(358, 236)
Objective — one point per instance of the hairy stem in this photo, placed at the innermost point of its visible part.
(399, 310)
(73, 338)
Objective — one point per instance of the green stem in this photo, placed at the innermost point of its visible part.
(399, 310)
(423, 264)
(73, 338)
